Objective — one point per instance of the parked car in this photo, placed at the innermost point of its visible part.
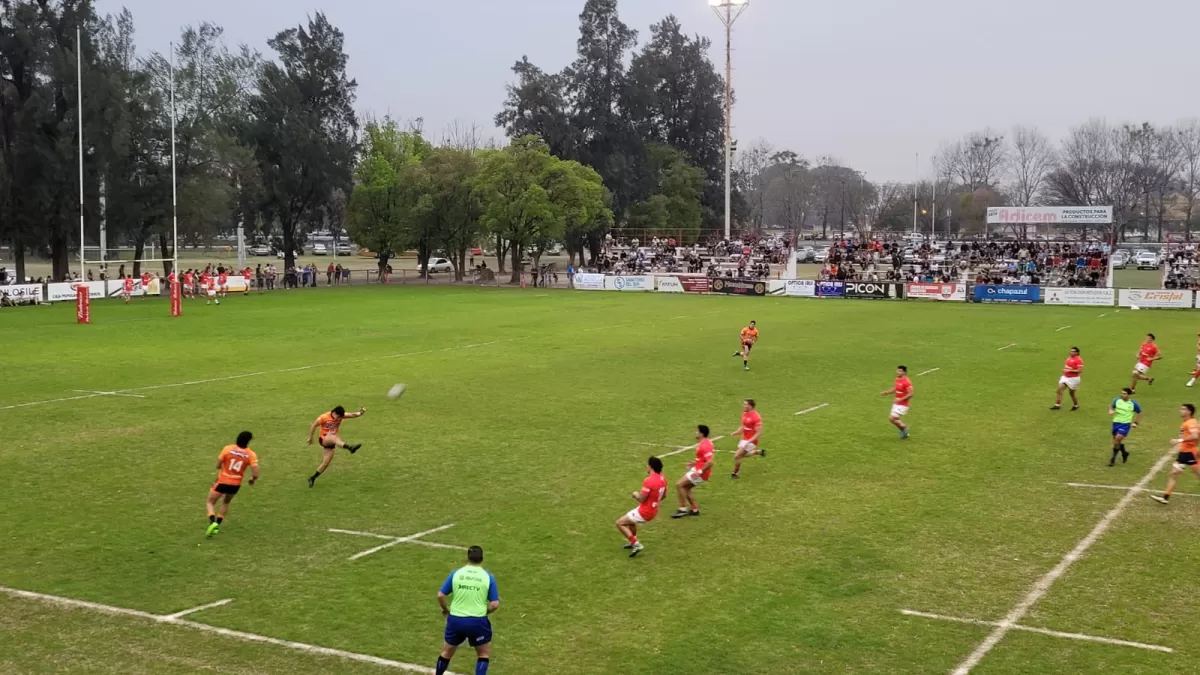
(477, 251)
(820, 256)
(320, 249)
(1146, 261)
(438, 265)
(260, 250)
(805, 254)
(343, 248)
(1120, 259)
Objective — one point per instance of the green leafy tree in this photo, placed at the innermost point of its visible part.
(303, 127)
(674, 207)
(453, 204)
(516, 204)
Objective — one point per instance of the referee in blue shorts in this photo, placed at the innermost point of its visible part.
(473, 595)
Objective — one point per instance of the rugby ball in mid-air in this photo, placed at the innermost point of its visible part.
(396, 391)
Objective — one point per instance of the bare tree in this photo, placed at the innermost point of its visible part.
(1096, 169)
(464, 136)
(1031, 158)
(975, 161)
(751, 180)
(1188, 136)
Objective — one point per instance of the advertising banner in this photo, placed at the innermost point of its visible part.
(1155, 299)
(1028, 294)
(831, 289)
(694, 284)
(589, 282)
(946, 292)
(23, 293)
(66, 291)
(1077, 215)
(1087, 297)
(801, 288)
(869, 290)
(629, 283)
(83, 305)
(738, 287)
(669, 285)
(117, 286)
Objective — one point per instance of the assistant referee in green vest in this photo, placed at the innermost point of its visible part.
(473, 596)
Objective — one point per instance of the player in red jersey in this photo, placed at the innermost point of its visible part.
(127, 289)
(146, 279)
(222, 284)
(1147, 355)
(654, 488)
(247, 274)
(188, 280)
(751, 431)
(698, 473)
(1196, 371)
(903, 390)
(1072, 371)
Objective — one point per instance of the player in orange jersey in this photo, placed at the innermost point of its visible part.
(231, 469)
(330, 441)
(749, 336)
(1186, 446)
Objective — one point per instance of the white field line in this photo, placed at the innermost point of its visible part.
(655, 445)
(1102, 315)
(107, 393)
(1043, 631)
(812, 409)
(52, 400)
(1057, 330)
(1006, 347)
(235, 634)
(928, 372)
(410, 539)
(1127, 487)
(1042, 585)
(679, 450)
(201, 608)
(389, 537)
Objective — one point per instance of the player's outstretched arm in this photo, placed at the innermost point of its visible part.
(360, 413)
(312, 429)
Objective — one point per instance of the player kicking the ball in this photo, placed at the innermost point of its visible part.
(1072, 371)
(1186, 446)
(903, 389)
(231, 469)
(749, 336)
(698, 473)
(654, 488)
(750, 430)
(330, 441)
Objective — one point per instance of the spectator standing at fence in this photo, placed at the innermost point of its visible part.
(329, 274)
(473, 595)
(570, 276)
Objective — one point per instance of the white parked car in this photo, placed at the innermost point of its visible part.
(439, 265)
(320, 249)
(260, 250)
(1146, 261)
(343, 248)
(820, 256)
(1120, 259)
(805, 254)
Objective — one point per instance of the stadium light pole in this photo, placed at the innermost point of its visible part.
(728, 11)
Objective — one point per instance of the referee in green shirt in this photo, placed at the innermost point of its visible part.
(473, 596)
(1126, 414)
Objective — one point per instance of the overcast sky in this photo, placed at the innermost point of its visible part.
(869, 82)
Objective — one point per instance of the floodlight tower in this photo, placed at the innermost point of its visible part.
(728, 11)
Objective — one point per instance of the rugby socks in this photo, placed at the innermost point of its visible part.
(481, 666)
(220, 519)
(312, 480)
(442, 664)
(1116, 451)
(211, 518)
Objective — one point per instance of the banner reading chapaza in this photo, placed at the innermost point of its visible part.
(1027, 294)
(871, 290)
(738, 286)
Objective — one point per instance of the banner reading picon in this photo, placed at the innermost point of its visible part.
(1030, 215)
(944, 292)
(1086, 297)
(1155, 299)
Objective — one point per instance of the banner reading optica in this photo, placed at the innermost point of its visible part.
(1025, 294)
(831, 289)
(801, 288)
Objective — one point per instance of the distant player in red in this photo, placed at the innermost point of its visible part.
(903, 390)
(1147, 355)
(246, 274)
(1196, 371)
(654, 489)
(698, 473)
(222, 284)
(188, 280)
(127, 289)
(146, 279)
(231, 469)
(751, 431)
(1072, 371)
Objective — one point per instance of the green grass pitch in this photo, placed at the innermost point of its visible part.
(527, 423)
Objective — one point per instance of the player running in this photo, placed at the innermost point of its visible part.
(127, 289)
(903, 389)
(330, 441)
(698, 473)
(1127, 415)
(246, 276)
(1189, 434)
(1147, 355)
(231, 469)
(1072, 370)
(751, 431)
(1196, 371)
(749, 336)
(223, 283)
(188, 279)
(654, 488)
